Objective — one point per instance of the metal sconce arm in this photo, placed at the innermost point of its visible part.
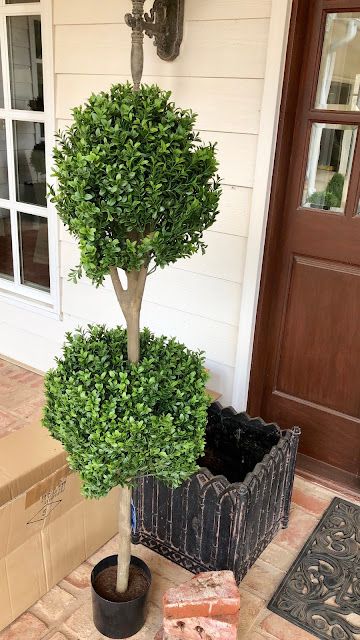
(164, 23)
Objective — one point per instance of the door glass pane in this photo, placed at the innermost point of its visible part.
(6, 260)
(339, 79)
(25, 58)
(4, 180)
(29, 146)
(34, 251)
(329, 166)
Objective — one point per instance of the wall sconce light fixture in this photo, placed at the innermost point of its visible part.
(164, 23)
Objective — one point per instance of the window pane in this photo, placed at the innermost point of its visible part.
(25, 58)
(1, 86)
(34, 251)
(339, 79)
(6, 260)
(4, 180)
(29, 146)
(329, 166)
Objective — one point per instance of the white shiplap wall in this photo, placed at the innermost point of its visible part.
(220, 74)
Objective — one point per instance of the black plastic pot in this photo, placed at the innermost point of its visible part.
(118, 619)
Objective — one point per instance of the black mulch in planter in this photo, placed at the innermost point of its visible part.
(231, 509)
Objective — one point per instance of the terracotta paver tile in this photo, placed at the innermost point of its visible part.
(80, 622)
(300, 527)
(58, 636)
(80, 577)
(250, 607)
(15, 397)
(263, 579)
(162, 566)
(9, 423)
(31, 408)
(15, 426)
(282, 629)
(23, 376)
(6, 419)
(15, 368)
(159, 585)
(53, 604)
(38, 382)
(278, 556)
(5, 385)
(311, 497)
(26, 627)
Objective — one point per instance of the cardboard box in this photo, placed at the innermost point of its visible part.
(46, 527)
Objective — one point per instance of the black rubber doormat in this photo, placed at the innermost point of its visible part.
(321, 591)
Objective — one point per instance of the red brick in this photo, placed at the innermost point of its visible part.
(220, 628)
(208, 594)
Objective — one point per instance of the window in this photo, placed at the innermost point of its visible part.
(27, 221)
(338, 86)
(331, 153)
(330, 181)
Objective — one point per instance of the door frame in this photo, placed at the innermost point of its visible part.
(270, 119)
(270, 265)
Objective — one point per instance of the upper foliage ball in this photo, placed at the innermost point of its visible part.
(134, 183)
(118, 420)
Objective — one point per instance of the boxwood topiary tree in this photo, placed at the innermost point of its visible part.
(323, 199)
(137, 189)
(336, 187)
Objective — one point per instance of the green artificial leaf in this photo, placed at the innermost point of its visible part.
(132, 166)
(118, 420)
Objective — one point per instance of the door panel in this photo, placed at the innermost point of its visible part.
(321, 330)
(309, 331)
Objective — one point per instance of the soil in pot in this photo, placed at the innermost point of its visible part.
(105, 584)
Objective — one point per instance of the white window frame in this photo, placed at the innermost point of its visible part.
(14, 292)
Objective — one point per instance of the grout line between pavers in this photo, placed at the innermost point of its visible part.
(256, 624)
(79, 601)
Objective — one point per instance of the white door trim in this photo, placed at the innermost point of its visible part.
(273, 82)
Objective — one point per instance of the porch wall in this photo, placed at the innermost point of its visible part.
(220, 74)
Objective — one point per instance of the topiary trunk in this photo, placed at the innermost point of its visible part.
(130, 300)
(124, 548)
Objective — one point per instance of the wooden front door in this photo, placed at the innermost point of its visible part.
(306, 366)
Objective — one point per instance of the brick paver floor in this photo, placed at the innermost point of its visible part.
(65, 612)
(21, 397)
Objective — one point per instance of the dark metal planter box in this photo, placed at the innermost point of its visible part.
(213, 522)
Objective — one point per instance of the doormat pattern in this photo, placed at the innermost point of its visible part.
(321, 591)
